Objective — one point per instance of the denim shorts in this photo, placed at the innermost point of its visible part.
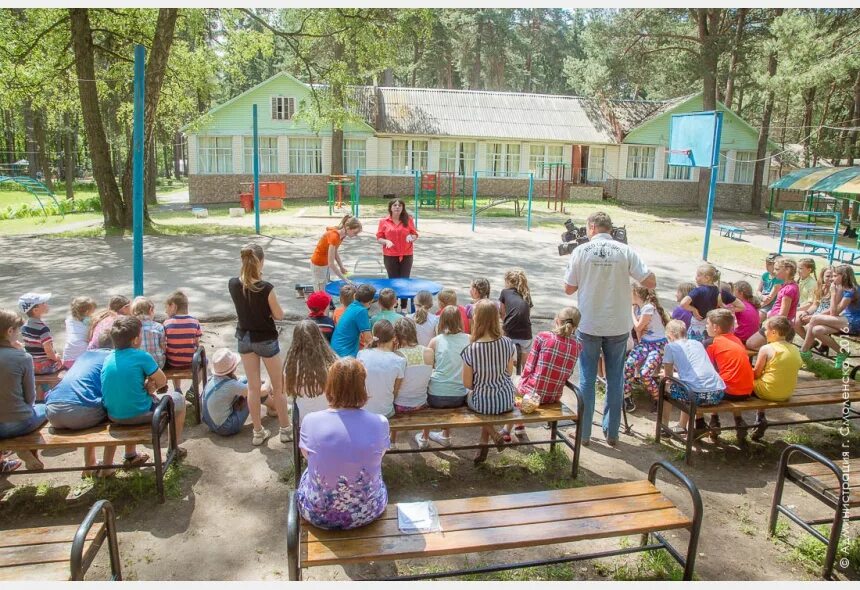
(446, 401)
(74, 417)
(266, 349)
(232, 425)
(703, 398)
(13, 429)
(525, 345)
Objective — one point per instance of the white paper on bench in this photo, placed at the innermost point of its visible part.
(418, 517)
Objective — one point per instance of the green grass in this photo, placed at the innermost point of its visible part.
(650, 566)
(550, 469)
(29, 225)
(809, 552)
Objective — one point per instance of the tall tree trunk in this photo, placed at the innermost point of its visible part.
(761, 164)
(475, 78)
(337, 91)
(824, 113)
(156, 66)
(167, 160)
(177, 155)
(853, 148)
(9, 137)
(69, 147)
(42, 147)
(708, 24)
(808, 104)
(30, 150)
(740, 22)
(82, 42)
(150, 173)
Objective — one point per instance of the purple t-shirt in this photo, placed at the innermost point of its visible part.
(682, 314)
(705, 298)
(787, 290)
(342, 487)
(747, 321)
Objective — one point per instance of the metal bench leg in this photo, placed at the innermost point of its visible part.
(553, 434)
(658, 434)
(198, 380)
(294, 569)
(161, 462)
(77, 566)
(691, 429)
(297, 453)
(690, 562)
(577, 440)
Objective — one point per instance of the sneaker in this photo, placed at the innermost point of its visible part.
(422, 442)
(437, 438)
(260, 437)
(285, 434)
(761, 427)
(839, 359)
(9, 465)
(629, 404)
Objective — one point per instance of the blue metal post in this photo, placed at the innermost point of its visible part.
(137, 169)
(256, 146)
(531, 192)
(417, 181)
(712, 189)
(474, 199)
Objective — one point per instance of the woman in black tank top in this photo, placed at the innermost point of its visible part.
(257, 308)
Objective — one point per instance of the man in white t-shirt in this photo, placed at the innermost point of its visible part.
(599, 273)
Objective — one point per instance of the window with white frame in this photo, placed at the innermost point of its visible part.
(596, 164)
(354, 155)
(268, 155)
(215, 155)
(744, 167)
(283, 108)
(503, 158)
(457, 157)
(724, 161)
(541, 155)
(409, 154)
(306, 155)
(640, 161)
(677, 172)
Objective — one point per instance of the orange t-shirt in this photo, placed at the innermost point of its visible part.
(730, 357)
(337, 313)
(330, 238)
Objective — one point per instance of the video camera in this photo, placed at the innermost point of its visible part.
(576, 236)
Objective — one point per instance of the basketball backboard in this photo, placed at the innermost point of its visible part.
(692, 139)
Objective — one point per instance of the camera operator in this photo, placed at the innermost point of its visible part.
(599, 273)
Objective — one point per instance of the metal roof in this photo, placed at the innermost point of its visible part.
(829, 180)
(501, 115)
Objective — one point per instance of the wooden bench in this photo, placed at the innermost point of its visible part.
(60, 553)
(104, 435)
(463, 417)
(492, 523)
(732, 231)
(826, 482)
(807, 393)
(197, 374)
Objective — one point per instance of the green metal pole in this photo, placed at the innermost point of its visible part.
(474, 199)
(531, 192)
(137, 169)
(256, 173)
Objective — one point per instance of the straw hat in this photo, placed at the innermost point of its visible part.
(224, 362)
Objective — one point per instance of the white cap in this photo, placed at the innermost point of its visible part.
(28, 301)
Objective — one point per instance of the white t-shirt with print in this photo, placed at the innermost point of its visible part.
(601, 271)
(383, 368)
(693, 366)
(655, 329)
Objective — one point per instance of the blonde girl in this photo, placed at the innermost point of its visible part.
(807, 283)
(257, 308)
(81, 310)
(306, 368)
(385, 369)
(705, 297)
(488, 363)
(644, 362)
(425, 322)
(515, 308)
(325, 258)
(412, 395)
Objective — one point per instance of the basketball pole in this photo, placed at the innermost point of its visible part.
(256, 147)
(712, 188)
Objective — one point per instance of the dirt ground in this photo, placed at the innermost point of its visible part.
(225, 516)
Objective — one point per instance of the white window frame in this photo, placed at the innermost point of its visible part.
(503, 159)
(640, 162)
(354, 155)
(215, 154)
(723, 164)
(283, 108)
(677, 172)
(744, 167)
(457, 157)
(268, 154)
(305, 155)
(596, 165)
(539, 155)
(408, 155)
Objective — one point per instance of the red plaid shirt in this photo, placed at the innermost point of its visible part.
(549, 364)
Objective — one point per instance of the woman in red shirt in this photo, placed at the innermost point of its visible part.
(397, 233)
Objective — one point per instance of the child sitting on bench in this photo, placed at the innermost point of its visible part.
(775, 369)
(387, 301)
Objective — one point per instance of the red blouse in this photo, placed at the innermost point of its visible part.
(396, 232)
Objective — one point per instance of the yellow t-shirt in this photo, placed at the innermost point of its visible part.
(779, 379)
(807, 290)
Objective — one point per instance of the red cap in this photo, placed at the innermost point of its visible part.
(318, 301)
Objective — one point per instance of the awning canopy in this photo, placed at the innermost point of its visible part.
(844, 181)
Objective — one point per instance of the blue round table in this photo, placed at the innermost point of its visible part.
(405, 288)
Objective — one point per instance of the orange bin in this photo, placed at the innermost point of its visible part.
(272, 195)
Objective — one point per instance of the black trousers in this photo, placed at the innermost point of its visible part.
(398, 269)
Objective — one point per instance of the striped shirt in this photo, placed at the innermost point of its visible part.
(182, 333)
(153, 341)
(36, 334)
(492, 388)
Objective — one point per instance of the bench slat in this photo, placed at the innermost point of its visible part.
(816, 468)
(464, 417)
(43, 535)
(522, 515)
(55, 571)
(824, 483)
(106, 434)
(796, 401)
(497, 538)
(44, 553)
(817, 386)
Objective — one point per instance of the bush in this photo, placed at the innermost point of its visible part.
(85, 205)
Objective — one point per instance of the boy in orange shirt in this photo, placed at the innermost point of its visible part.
(347, 296)
(729, 356)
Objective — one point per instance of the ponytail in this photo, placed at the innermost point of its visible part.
(519, 283)
(349, 222)
(423, 304)
(650, 296)
(745, 289)
(568, 321)
(383, 333)
(252, 267)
